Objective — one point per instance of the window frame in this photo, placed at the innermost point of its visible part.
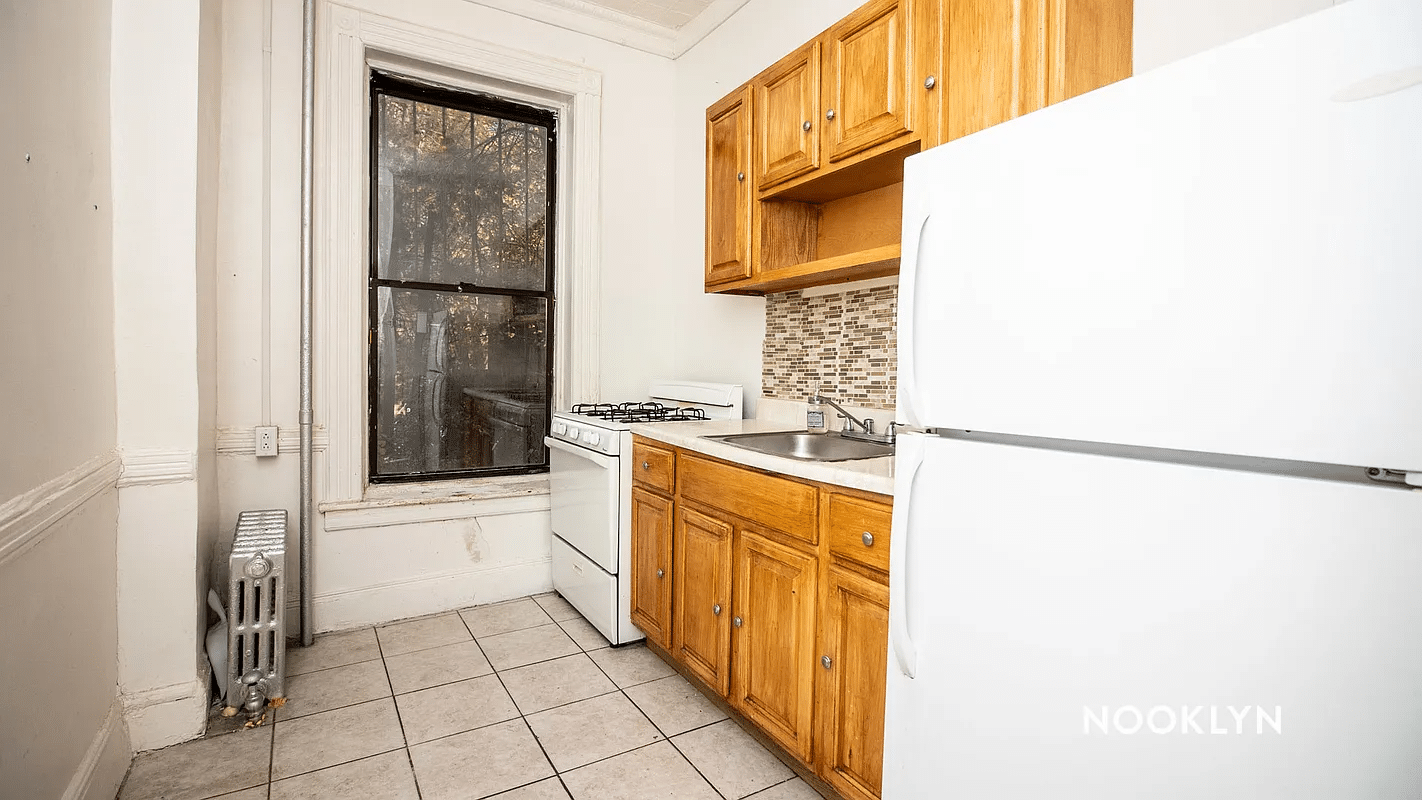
(392, 84)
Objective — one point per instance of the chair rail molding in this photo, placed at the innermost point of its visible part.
(155, 466)
(351, 41)
(27, 518)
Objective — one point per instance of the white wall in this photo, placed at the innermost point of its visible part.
(432, 569)
(155, 110)
(60, 727)
(1167, 30)
(718, 337)
(209, 159)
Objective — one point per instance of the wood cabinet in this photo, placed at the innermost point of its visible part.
(1006, 58)
(701, 596)
(867, 92)
(652, 564)
(833, 121)
(787, 99)
(773, 640)
(776, 600)
(854, 645)
(728, 189)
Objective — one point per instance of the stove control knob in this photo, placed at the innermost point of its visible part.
(560, 428)
(573, 433)
(592, 437)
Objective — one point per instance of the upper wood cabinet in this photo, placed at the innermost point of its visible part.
(1006, 58)
(832, 122)
(787, 130)
(867, 92)
(728, 189)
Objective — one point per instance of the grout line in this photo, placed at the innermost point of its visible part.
(338, 764)
(271, 754)
(655, 727)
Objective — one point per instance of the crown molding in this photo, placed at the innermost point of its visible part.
(617, 27)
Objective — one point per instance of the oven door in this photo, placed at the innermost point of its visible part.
(584, 488)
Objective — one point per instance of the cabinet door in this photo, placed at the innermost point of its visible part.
(1006, 59)
(853, 663)
(982, 55)
(1088, 45)
(652, 565)
(774, 640)
(701, 633)
(728, 189)
(867, 95)
(787, 114)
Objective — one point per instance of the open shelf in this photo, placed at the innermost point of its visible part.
(876, 262)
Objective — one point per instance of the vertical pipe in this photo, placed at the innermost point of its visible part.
(308, 97)
(266, 212)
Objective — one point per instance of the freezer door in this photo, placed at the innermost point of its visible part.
(1093, 627)
(1220, 255)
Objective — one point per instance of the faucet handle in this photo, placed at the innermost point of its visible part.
(848, 424)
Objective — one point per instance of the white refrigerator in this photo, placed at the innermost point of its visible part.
(1156, 534)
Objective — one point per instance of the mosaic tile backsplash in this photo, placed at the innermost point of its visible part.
(845, 343)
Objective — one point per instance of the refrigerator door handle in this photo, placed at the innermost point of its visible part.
(908, 389)
(909, 459)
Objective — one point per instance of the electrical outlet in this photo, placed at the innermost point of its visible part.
(266, 440)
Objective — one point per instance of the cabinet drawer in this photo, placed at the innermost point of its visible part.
(776, 503)
(859, 530)
(652, 466)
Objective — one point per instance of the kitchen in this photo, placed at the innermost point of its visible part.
(653, 318)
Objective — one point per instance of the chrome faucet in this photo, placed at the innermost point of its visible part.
(866, 426)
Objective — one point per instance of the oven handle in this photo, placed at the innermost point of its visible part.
(604, 461)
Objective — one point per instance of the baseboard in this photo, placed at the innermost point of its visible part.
(166, 715)
(105, 762)
(425, 594)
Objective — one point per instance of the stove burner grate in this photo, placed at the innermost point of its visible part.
(638, 412)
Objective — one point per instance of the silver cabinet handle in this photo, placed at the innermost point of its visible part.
(740, 176)
(930, 82)
(646, 465)
(661, 573)
(868, 539)
(716, 609)
(737, 622)
(829, 114)
(806, 126)
(827, 661)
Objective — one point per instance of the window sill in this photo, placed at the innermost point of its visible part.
(438, 501)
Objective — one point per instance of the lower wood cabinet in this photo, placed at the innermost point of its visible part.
(701, 618)
(773, 592)
(773, 640)
(849, 701)
(652, 565)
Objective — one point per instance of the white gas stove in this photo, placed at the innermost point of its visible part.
(590, 475)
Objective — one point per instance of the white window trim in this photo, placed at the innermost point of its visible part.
(348, 43)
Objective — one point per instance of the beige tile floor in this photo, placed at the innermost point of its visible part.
(521, 700)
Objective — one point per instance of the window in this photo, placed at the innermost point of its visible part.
(461, 283)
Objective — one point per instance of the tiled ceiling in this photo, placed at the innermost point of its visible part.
(663, 27)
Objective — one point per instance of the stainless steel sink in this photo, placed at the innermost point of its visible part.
(807, 446)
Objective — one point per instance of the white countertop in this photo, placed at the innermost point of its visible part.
(869, 474)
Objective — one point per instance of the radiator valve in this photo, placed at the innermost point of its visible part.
(254, 694)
